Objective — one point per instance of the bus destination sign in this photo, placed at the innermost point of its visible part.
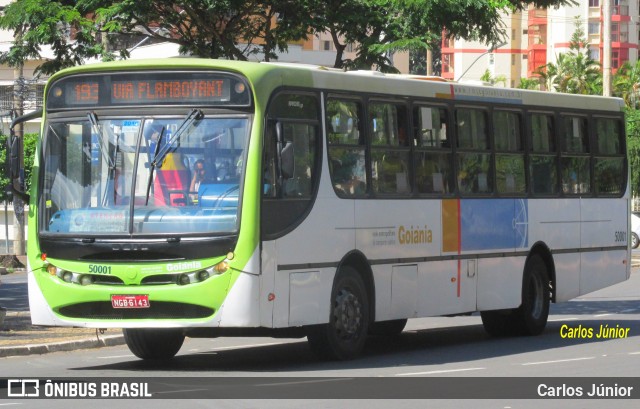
(149, 89)
(153, 91)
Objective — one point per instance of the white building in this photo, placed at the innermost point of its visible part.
(535, 37)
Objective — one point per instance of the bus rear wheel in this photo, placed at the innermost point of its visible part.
(153, 343)
(536, 295)
(344, 336)
(531, 317)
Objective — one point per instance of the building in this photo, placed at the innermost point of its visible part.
(536, 36)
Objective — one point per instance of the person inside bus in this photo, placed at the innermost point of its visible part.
(200, 176)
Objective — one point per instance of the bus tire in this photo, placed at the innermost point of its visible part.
(387, 328)
(344, 336)
(499, 323)
(153, 343)
(536, 295)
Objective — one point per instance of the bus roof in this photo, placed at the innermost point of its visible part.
(271, 75)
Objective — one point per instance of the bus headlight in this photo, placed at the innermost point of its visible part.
(86, 279)
(202, 275)
(67, 276)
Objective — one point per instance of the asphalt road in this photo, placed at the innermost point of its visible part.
(430, 349)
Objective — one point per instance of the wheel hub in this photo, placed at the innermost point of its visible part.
(348, 314)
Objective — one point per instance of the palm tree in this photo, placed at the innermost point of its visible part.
(574, 72)
(626, 84)
(487, 77)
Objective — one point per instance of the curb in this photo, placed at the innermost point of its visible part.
(64, 346)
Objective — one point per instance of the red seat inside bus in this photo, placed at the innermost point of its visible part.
(171, 184)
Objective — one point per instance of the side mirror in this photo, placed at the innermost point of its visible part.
(15, 155)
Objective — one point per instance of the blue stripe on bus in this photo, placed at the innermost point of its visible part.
(491, 224)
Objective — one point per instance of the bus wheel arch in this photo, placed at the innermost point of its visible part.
(343, 337)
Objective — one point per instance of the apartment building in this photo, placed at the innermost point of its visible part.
(535, 37)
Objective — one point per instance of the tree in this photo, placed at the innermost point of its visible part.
(38, 23)
(4, 180)
(574, 72)
(633, 148)
(487, 77)
(237, 29)
(529, 83)
(232, 29)
(626, 84)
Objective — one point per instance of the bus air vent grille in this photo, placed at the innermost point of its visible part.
(157, 310)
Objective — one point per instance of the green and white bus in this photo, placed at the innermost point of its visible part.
(182, 198)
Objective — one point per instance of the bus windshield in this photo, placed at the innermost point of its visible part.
(143, 176)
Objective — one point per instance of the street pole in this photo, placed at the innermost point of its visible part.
(18, 203)
(606, 48)
(490, 50)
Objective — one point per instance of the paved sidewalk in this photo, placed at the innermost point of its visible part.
(19, 337)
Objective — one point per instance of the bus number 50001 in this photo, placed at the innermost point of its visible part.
(95, 269)
(621, 236)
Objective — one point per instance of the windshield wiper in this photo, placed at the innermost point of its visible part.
(187, 123)
(153, 165)
(111, 161)
(162, 149)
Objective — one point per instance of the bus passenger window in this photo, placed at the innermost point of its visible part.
(388, 123)
(474, 157)
(347, 163)
(543, 166)
(609, 165)
(432, 156)
(431, 129)
(575, 161)
(507, 133)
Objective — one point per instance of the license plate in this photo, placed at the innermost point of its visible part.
(130, 301)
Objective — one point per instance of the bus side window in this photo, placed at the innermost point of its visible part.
(609, 163)
(543, 167)
(432, 152)
(389, 148)
(347, 164)
(509, 166)
(474, 156)
(575, 159)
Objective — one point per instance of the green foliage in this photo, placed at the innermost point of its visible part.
(626, 84)
(238, 29)
(4, 180)
(30, 141)
(529, 83)
(633, 148)
(574, 72)
(38, 23)
(487, 77)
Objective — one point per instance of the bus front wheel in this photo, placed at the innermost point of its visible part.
(344, 336)
(153, 343)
